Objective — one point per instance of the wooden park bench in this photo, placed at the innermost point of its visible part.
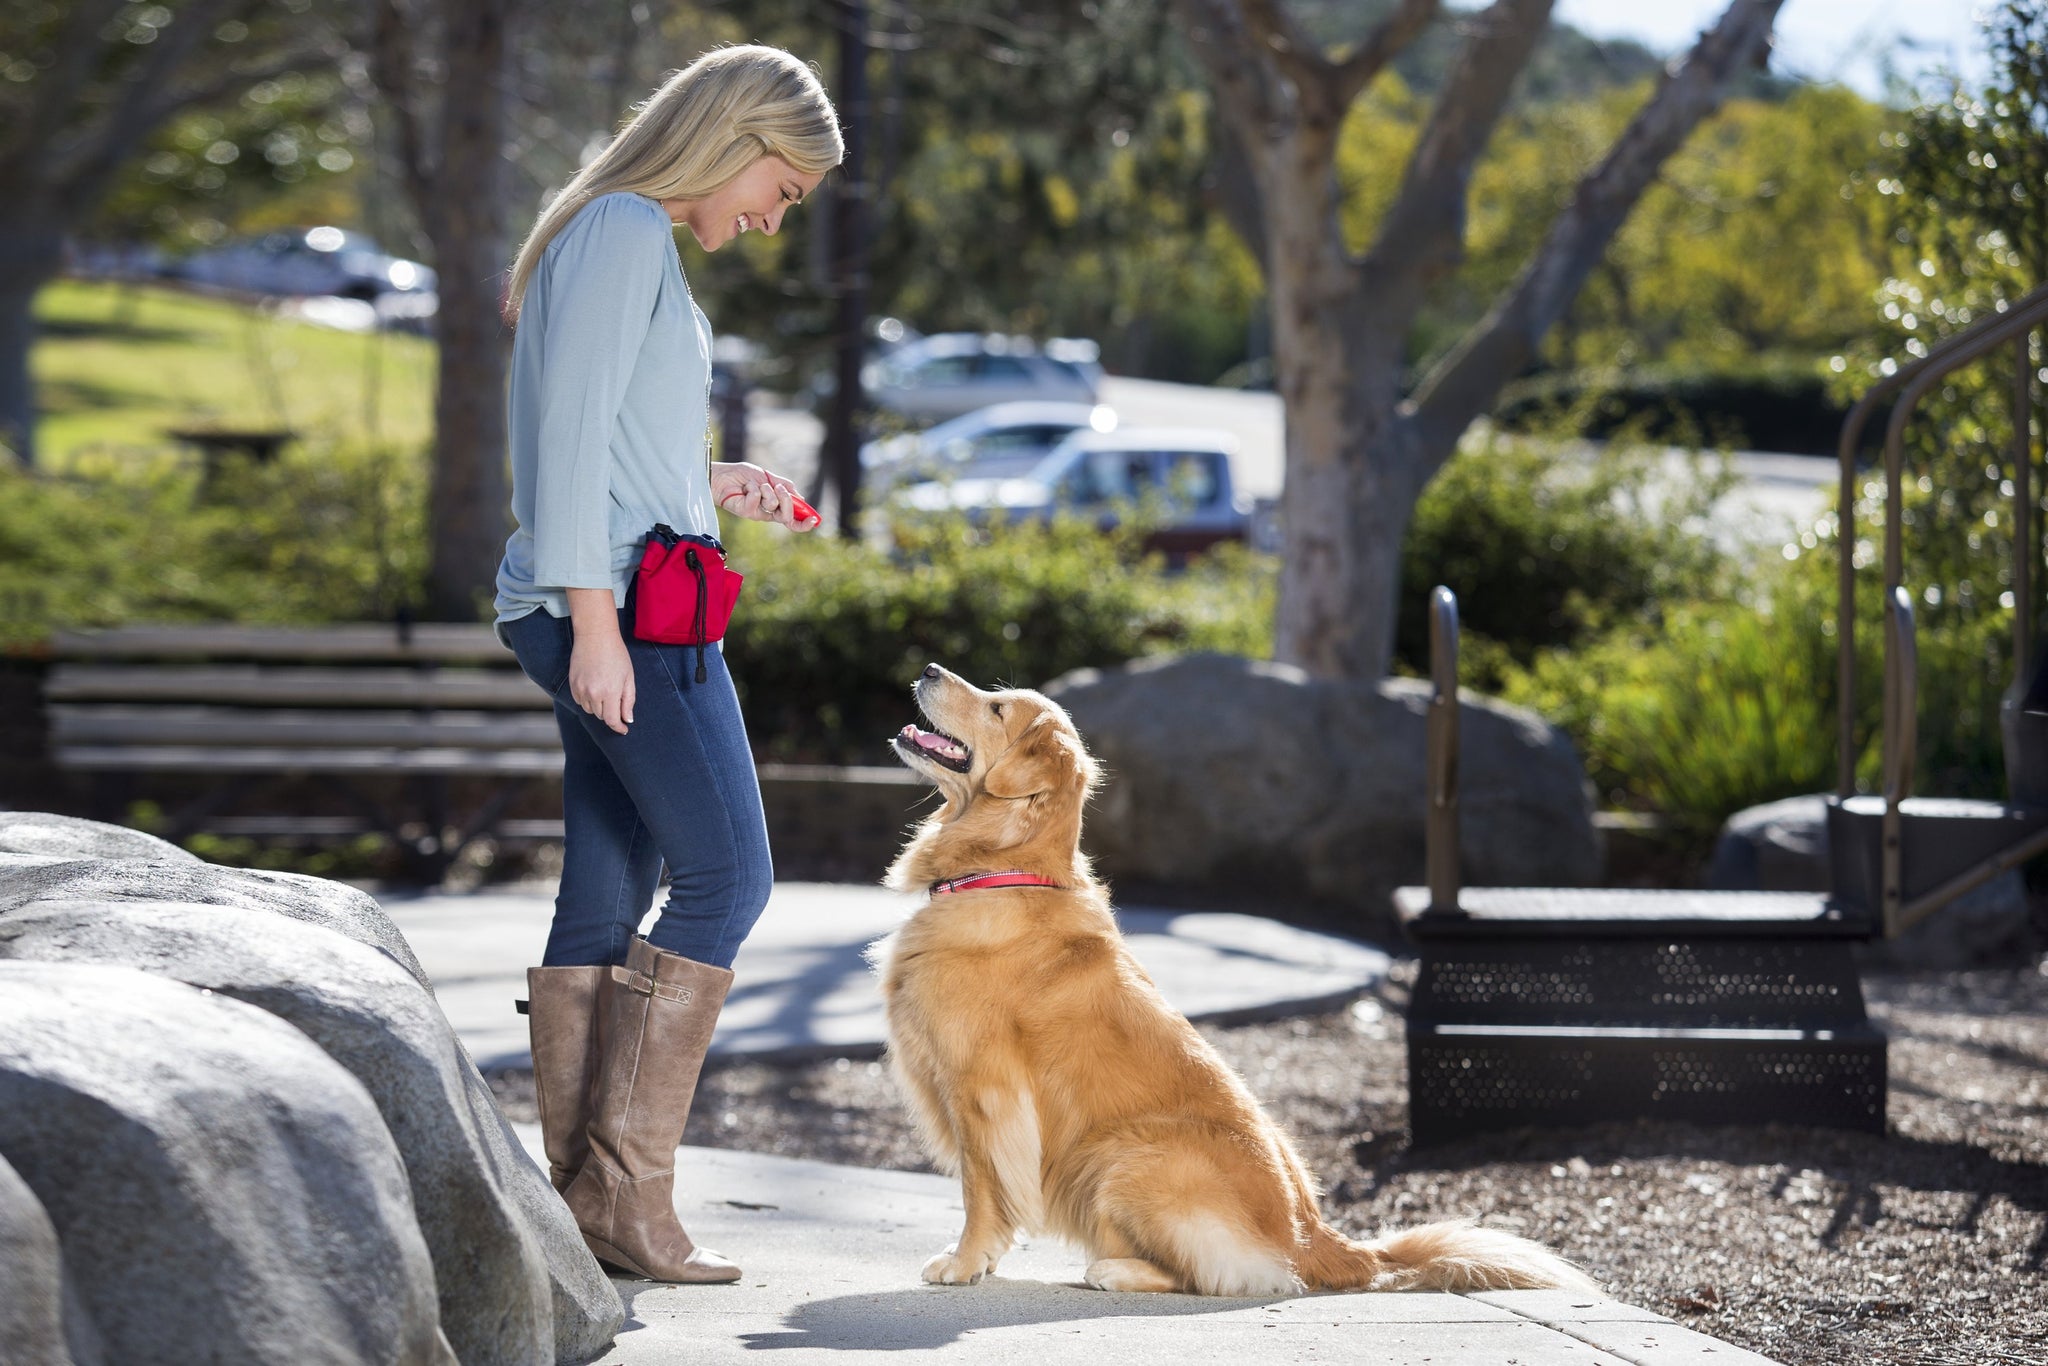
(385, 718)
(1549, 1006)
(428, 735)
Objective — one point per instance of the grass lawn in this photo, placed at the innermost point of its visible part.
(117, 366)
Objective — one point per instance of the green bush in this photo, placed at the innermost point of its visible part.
(1546, 549)
(1781, 405)
(1714, 704)
(830, 636)
(325, 533)
(824, 648)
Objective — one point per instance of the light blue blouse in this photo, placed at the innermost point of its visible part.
(611, 370)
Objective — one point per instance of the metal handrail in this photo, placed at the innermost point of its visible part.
(1902, 741)
(1440, 834)
(2016, 324)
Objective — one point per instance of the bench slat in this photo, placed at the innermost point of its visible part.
(126, 724)
(508, 763)
(250, 685)
(428, 642)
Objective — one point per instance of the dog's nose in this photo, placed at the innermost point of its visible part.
(932, 671)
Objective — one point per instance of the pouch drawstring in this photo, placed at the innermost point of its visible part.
(703, 608)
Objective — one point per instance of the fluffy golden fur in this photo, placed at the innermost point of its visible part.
(1046, 1071)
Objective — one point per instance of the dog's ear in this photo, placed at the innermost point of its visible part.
(1043, 758)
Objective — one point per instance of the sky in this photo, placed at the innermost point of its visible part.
(1840, 40)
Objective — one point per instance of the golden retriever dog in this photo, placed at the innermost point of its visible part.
(1045, 1070)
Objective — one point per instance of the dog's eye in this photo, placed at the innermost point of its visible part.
(996, 707)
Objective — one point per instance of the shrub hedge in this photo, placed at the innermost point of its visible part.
(1782, 406)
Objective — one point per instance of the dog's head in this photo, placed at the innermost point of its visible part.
(1014, 775)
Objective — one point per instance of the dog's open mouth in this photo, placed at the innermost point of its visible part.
(940, 748)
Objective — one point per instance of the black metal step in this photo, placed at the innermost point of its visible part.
(1940, 837)
(1701, 982)
(1602, 912)
(1468, 1079)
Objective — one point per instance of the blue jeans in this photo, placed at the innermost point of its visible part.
(678, 788)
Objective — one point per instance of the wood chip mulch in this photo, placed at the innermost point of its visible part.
(1928, 1245)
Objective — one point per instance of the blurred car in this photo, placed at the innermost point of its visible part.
(309, 261)
(946, 375)
(1180, 477)
(1001, 439)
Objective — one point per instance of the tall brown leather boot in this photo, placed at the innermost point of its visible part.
(656, 1027)
(561, 1022)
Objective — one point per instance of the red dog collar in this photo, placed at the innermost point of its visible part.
(978, 882)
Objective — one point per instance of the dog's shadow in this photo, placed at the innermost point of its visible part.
(933, 1316)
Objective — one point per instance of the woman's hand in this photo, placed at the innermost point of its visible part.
(600, 670)
(753, 493)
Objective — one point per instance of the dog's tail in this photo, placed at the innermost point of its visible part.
(1450, 1256)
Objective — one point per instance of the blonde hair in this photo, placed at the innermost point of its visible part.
(694, 135)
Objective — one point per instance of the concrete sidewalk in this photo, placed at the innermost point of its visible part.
(803, 986)
(832, 1256)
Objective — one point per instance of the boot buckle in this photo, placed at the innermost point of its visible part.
(641, 984)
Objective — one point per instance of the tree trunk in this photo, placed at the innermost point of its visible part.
(467, 218)
(30, 257)
(1352, 464)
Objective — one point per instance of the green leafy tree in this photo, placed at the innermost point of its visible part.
(82, 84)
(1362, 439)
(1967, 194)
(287, 151)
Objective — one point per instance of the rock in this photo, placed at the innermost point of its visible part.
(316, 901)
(38, 832)
(221, 1188)
(516, 1281)
(1782, 846)
(41, 1322)
(1237, 774)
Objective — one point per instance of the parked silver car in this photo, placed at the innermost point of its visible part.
(1180, 474)
(307, 261)
(946, 375)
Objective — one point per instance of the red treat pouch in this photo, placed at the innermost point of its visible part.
(683, 593)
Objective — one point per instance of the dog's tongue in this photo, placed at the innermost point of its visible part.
(924, 739)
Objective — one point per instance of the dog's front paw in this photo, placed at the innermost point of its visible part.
(952, 1267)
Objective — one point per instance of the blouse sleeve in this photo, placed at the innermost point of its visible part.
(604, 277)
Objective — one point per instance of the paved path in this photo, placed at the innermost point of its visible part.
(832, 1257)
(804, 987)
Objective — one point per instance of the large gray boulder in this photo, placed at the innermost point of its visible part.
(516, 1283)
(1235, 774)
(39, 832)
(222, 1189)
(316, 901)
(1782, 846)
(41, 1323)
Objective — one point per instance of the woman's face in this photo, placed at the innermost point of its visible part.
(753, 201)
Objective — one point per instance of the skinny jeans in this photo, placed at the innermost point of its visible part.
(677, 789)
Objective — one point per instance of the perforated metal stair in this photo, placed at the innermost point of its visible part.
(1547, 1007)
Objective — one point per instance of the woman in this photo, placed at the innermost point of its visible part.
(611, 375)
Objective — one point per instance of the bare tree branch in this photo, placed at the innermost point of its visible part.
(1297, 56)
(1460, 387)
(1241, 76)
(1381, 46)
(1423, 235)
